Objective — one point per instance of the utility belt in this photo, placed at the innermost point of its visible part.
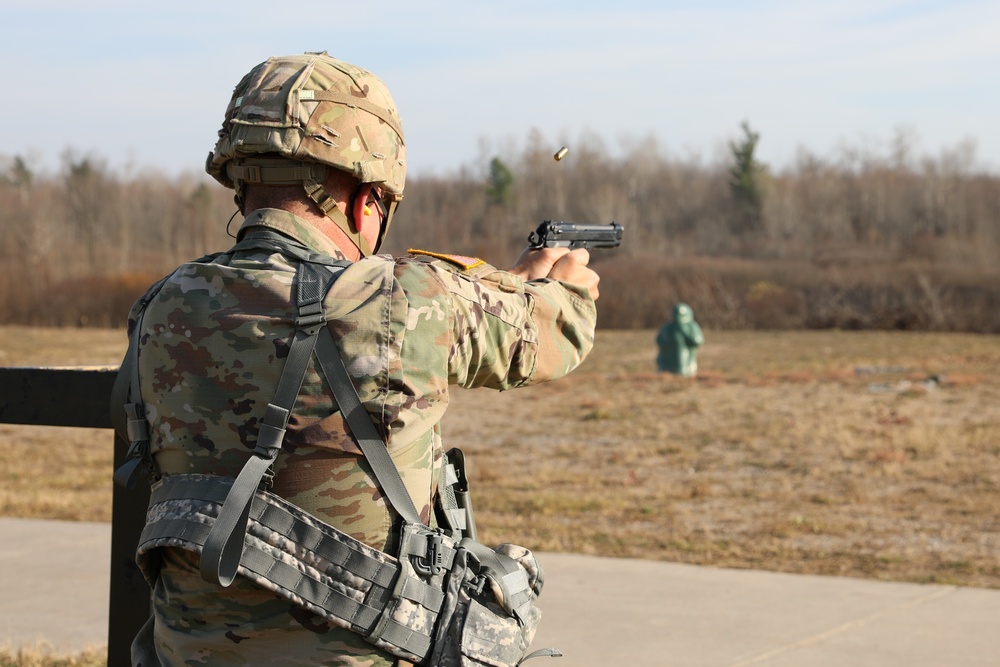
(444, 599)
(440, 602)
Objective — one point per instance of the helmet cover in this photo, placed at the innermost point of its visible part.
(311, 108)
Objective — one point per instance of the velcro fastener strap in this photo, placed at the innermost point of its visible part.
(136, 427)
(137, 430)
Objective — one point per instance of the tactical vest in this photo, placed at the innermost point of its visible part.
(442, 599)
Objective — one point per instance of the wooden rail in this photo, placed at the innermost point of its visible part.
(81, 397)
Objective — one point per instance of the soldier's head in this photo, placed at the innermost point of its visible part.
(316, 125)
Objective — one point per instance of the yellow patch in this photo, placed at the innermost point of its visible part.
(458, 260)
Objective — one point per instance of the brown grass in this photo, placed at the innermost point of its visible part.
(816, 452)
(44, 656)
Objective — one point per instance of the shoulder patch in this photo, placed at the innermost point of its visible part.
(465, 263)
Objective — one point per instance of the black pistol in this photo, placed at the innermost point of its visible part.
(572, 235)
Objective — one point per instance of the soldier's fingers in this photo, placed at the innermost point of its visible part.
(579, 257)
(572, 268)
(534, 264)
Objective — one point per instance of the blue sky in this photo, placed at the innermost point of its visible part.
(146, 86)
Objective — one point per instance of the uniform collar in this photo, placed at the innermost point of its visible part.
(292, 226)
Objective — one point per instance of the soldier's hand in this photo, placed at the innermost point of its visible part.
(535, 264)
(572, 268)
(558, 264)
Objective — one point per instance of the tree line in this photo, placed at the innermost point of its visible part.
(866, 237)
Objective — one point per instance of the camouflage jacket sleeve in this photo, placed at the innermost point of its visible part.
(503, 332)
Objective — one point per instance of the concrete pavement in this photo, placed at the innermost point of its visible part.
(54, 583)
(598, 611)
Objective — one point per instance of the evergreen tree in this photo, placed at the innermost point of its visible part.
(499, 183)
(746, 181)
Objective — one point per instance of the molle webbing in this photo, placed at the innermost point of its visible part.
(304, 560)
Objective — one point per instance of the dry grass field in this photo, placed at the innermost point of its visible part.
(45, 656)
(867, 454)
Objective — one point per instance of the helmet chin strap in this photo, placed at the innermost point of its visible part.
(328, 205)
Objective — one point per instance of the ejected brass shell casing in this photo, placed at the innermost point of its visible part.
(561, 153)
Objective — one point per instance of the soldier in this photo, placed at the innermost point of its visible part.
(678, 341)
(314, 149)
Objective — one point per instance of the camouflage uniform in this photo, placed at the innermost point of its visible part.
(213, 343)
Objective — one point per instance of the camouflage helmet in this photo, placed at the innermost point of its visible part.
(292, 117)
